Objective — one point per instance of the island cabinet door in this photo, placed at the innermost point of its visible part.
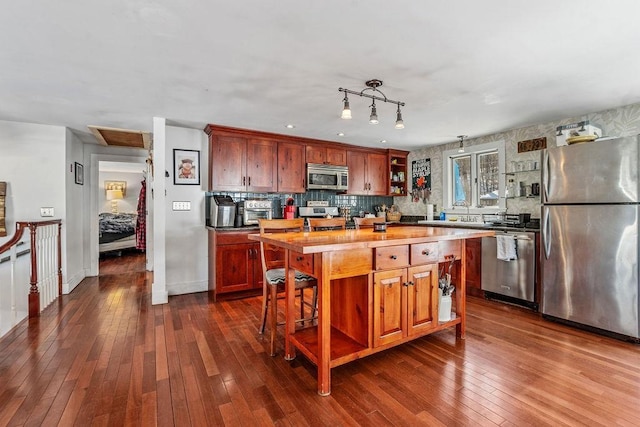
(389, 293)
(422, 298)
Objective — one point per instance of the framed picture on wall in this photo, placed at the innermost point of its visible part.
(79, 173)
(186, 167)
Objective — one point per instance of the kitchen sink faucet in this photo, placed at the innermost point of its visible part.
(463, 203)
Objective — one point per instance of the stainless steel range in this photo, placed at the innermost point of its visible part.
(509, 260)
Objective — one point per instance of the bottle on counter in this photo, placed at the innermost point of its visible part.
(443, 216)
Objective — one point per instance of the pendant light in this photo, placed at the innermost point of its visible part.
(462, 137)
(373, 86)
(373, 118)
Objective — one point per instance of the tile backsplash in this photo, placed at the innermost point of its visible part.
(357, 203)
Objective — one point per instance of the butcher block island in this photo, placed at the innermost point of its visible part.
(376, 290)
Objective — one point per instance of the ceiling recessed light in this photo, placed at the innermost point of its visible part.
(384, 141)
(340, 134)
(290, 126)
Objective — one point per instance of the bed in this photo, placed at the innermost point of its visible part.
(117, 231)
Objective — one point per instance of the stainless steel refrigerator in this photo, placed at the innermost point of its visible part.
(589, 234)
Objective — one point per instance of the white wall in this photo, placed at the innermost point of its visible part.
(186, 255)
(34, 164)
(76, 209)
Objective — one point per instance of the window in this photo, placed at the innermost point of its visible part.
(475, 178)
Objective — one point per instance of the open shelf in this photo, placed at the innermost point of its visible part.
(342, 346)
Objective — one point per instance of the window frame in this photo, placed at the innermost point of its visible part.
(473, 151)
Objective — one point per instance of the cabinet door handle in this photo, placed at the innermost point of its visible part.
(249, 184)
(299, 258)
(405, 284)
(411, 284)
(426, 252)
(393, 257)
(244, 180)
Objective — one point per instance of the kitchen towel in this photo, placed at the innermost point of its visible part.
(506, 248)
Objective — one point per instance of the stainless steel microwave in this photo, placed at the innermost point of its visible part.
(327, 177)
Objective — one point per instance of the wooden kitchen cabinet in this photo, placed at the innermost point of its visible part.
(473, 251)
(398, 173)
(368, 173)
(405, 303)
(235, 263)
(239, 163)
(322, 154)
(291, 167)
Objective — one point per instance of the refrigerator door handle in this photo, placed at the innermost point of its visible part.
(546, 235)
(545, 175)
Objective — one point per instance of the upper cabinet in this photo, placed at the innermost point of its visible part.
(323, 154)
(261, 162)
(242, 163)
(368, 173)
(291, 167)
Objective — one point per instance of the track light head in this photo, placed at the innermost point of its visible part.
(399, 122)
(461, 137)
(373, 118)
(346, 111)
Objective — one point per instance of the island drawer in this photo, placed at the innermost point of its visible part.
(391, 257)
(301, 262)
(424, 253)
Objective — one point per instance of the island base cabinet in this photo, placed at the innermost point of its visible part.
(405, 303)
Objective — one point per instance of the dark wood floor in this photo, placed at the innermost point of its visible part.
(105, 356)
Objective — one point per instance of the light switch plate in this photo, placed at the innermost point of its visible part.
(46, 211)
(181, 206)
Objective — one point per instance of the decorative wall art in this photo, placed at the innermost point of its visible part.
(421, 180)
(79, 171)
(532, 144)
(186, 167)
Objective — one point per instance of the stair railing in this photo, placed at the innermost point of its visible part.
(46, 261)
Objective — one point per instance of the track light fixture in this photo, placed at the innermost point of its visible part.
(461, 137)
(372, 85)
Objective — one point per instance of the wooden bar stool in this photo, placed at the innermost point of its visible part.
(318, 224)
(367, 222)
(274, 278)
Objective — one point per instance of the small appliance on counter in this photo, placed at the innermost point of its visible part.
(257, 209)
(290, 209)
(222, 211)
(239, 214)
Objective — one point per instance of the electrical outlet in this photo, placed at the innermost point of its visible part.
(46, 211)
(181, 206)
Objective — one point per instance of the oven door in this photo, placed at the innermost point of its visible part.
(251, 216)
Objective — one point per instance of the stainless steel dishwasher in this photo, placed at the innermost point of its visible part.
(513, 279)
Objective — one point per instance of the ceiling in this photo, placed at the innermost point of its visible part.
(462, 67)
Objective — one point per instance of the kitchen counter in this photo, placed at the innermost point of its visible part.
(376, 290)
(464, 224)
